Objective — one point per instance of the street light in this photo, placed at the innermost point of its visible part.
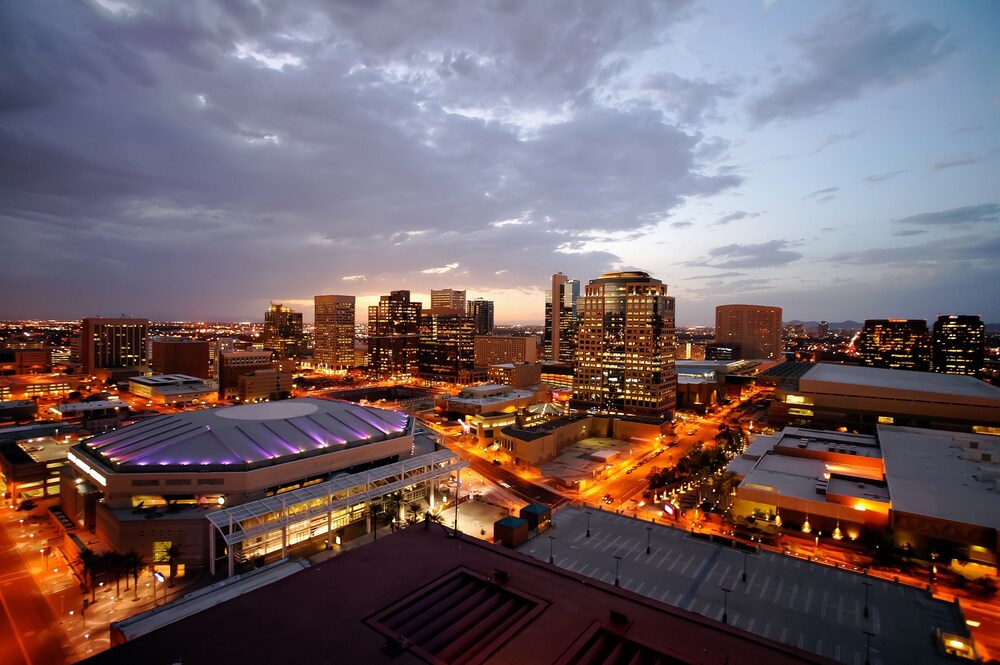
(867, 586)
(649, 534)
(158, 577)
(588, 524)
(551, 540)
(868, 647)
(725, 604)
(617, 559)
(745, 566)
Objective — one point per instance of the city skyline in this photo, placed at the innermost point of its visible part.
(837, 161)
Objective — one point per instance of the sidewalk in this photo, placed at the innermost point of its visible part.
(58, 574)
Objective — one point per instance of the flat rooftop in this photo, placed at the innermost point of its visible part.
(898, 379)
(797, 477)
(860, 445)
(786, 599)
(420, 596)
(938, 474)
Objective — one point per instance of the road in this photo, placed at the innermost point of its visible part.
(29, 631)
(523, 489)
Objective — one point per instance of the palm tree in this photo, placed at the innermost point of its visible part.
(173, 554)
(91, 562)
(114, 563)
(133, 563)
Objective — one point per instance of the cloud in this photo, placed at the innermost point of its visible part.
(821, 192)
(441, 270)
(882, 177)
(838, 138)
(763, 255)
(352, 278)
(681, 225)
(720, 275)
(953, 162)
(968, 130)
(735, 216)
(972, 248)
(690, 101)
(986, 212)
(846, 55)
(908, 232)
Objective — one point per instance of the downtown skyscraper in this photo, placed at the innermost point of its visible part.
(958, 344)
(625, 347)
(394, 334)
(756, 329)
(334, 332)
(283, 332)
(560, 319)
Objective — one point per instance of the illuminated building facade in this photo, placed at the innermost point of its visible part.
(756, 329)
(283, 331)
(497, 349)
(334, 332)
(182, 468)
(113, 343)
(560, 319)
(895, 344)
(446, 348)
(481, 312)
(625, 347)
(959, 344)
(448, 299)
(394, 334)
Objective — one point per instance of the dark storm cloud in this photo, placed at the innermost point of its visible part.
(763, 255)
(882, 177)
(986, 212)
(855, 50)
(325, 142)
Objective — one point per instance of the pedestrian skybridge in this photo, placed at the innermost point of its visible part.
(257, 528)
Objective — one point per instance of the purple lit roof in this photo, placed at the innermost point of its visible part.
(251, 434)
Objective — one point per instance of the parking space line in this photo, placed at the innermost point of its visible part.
(795, 592)
(819, 645)
(840, 611)
(749, 625)
(809, 598)
(822, 608)
(777, 593)
(753, 576)
(784, 634)
(767, 629)
(764, 588)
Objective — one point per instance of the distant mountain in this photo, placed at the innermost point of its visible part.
(834, 325)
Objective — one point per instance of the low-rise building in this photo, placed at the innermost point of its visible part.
(172, 389)
(96, 417)
(517, 375)
(828, 395)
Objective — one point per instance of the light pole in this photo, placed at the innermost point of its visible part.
(744, 566)
(725, 604)
(551, 540)
(868, 647)
(867, 586)
(649, 534)
(617, 559)
(158, 577)
(588, 524)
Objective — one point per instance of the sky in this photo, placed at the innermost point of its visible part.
(196, 161)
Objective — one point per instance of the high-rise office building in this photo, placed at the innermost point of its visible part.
(481, 312)
(447, 299)
(394, 334)
(625, 347)
(959, 344)
(179, 355)
(497, 349)
(823, 329)
(895, 344)
(283, 331)
(755, 328)
(561, 319)
(334, 332)
(113, 343)
(446, 348)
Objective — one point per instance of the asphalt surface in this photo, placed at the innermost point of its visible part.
(29, 631)
(787, 599)
(523, 489)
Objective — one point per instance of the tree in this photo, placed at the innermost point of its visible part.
(91, 562)
(114, 563)
(173, 554)
(133, 564)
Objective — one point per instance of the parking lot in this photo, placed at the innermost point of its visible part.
(783, 598)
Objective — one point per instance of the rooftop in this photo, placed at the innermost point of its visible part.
(419, 596)
(898, 379)
(245, 436)
(939, 474)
